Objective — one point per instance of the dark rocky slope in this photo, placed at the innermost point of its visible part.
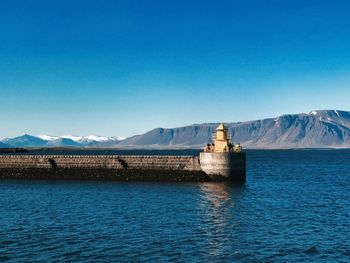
(318, 129)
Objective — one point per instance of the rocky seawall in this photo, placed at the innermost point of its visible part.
(102, 167)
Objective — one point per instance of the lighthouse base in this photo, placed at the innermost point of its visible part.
(224, 166)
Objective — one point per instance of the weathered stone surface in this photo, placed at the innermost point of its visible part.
(104, 161)
(102, 167)
(103, 174)
(124, 168)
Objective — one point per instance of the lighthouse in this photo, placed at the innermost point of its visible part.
(222, 160)
(222, 143)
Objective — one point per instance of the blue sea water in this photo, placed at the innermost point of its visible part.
(294, 207)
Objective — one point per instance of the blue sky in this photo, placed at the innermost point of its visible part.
(124, 67)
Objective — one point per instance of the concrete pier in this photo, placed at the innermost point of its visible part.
(224, 166)
(120, 168)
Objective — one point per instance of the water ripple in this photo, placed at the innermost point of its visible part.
(294, 208)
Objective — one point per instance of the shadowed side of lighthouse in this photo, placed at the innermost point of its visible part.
(222, 160)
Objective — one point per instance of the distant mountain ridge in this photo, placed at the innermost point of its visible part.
(3, 145)
(317, 129)
(27, 140)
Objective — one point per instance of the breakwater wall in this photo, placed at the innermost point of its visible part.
(102, 167)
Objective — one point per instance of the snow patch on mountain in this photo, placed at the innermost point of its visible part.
(80, 139)
(48, 137)
(72, 137)
(44, 140)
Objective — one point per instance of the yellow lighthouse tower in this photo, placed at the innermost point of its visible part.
(222, 142)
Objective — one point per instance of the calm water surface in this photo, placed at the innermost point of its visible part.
(294, 207)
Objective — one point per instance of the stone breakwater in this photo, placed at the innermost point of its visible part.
(102, 167)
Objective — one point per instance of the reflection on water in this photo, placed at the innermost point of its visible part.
(217, 205)
(216, 194)
(221, 195)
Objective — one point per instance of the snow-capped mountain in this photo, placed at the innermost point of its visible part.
(81, 140)
(317, 129)
(25, 140)
(44, 140)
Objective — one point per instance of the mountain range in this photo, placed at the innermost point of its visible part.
(27, 140)
(317, 129)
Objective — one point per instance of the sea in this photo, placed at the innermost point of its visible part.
(294, 207)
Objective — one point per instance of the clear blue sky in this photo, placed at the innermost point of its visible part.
(124, 67)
